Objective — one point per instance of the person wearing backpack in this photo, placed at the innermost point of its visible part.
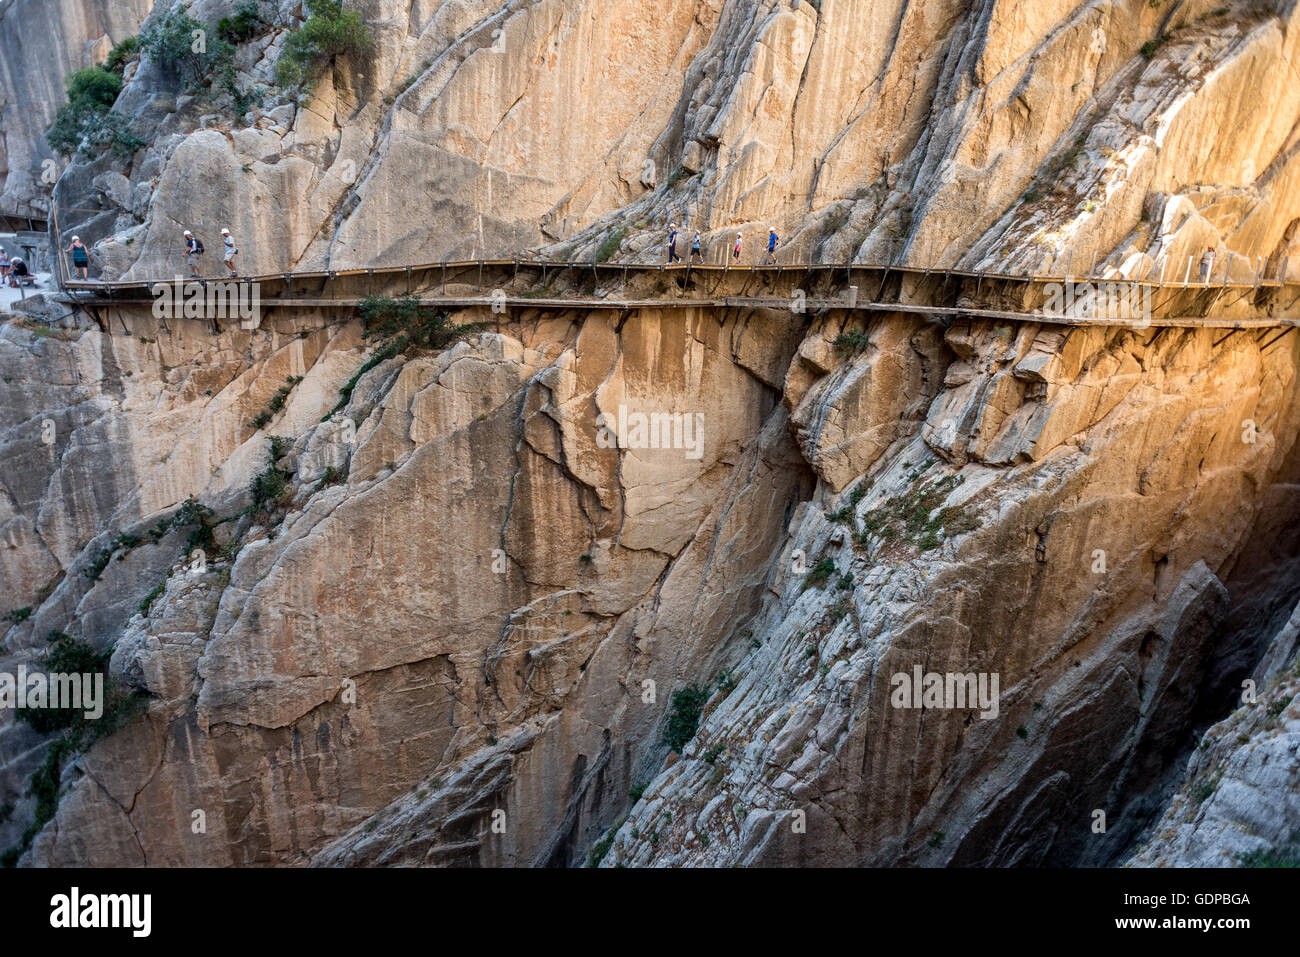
(695, 249)
(193, 250)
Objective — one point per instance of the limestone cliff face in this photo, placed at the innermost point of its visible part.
(1121, 133)
(1239, 803)
(484, 565)
(455, 634)
(41, 42)
(461, 618)
(1091, 583)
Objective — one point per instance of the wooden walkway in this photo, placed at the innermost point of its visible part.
(507, 286)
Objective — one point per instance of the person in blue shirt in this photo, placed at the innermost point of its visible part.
(695, 249)
(672, 244)
(771, 247)
(80, 257)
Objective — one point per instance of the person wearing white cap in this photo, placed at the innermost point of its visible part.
(735, 253)
(193, 250)
(231, 252)
(771, 245)
(80, 258)
(672, 244)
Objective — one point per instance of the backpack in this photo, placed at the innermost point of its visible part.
(198, 245)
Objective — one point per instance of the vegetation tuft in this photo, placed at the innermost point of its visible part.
(611, 244)
(16, 616)
(1148, 49)
(329, 32)
(684, 715)
(272, 487)
(851, 343)
(915, 518)
(819, 574)
(191, 514)
(1285, 856)
(86, 125)
(277, 402)
(243, 26)
(67, 655)
(403, 325)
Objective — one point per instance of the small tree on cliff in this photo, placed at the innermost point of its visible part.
(86, 124)
(329, 32)
(404, 325)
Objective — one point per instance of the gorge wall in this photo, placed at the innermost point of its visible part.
(454, 632)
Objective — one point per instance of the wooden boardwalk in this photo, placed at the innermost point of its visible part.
(507, 286)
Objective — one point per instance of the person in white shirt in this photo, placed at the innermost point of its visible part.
(231, 252)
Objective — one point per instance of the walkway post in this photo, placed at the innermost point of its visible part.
(1187, 273)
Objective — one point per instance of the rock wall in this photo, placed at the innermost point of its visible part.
(1088, 581)
(460, 618)
(936, 133)
(460, 623)
(41, 42)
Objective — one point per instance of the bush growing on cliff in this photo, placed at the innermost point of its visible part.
(185, 49)
(819, 574)
(67, 655)
(851, 343)
(122, 54)
(329, 32)
(611, 244)
(86, 124)
(271, 487)
(243, 26)
(684, 716)
(178, 44)
(277, 402)
(1287, 855)
(403, 325)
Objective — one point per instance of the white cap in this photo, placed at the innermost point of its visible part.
(225, 232)
(76, 239)
(188, 233)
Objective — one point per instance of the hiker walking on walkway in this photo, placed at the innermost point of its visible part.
(695, 249)
(735, 253)
(1207, 264)
(672, 244)
(80, 258)
(231, 252)
(4, 265)
(771, 246)
(193, 250)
